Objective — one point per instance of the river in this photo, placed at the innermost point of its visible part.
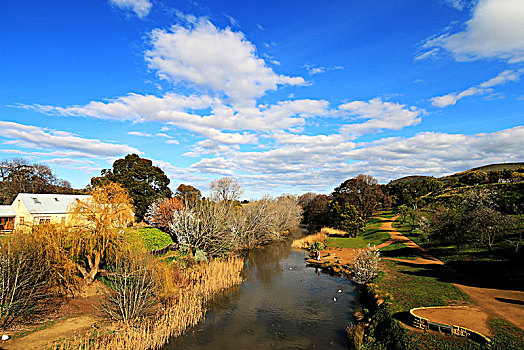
(281, 304)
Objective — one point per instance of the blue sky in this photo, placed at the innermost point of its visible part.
(285, 96)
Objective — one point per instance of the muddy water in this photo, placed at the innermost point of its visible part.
(282, 304)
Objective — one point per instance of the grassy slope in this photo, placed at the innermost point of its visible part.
(410, 286)
(152, 238)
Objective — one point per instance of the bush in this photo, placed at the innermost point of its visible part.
(133, 285)
(365, 266)
(24, 278)
(317, 246)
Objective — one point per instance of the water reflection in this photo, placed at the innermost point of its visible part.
(282, 304)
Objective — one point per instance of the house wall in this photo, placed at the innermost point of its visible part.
(25, 219)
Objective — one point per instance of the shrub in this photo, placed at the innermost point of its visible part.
(24, 279)
(365, 266)
(134, 290)
(317, 246)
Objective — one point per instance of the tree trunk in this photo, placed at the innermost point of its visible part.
(94, 268)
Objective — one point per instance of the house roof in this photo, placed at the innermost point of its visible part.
(6, 211)
(48, 203)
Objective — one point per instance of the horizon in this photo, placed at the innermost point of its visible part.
(287, 99)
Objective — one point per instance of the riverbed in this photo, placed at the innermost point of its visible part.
(281, 304)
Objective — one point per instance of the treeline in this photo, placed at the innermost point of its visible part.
(220, 224)
(470, 209)
(348, 207)
(19, 176)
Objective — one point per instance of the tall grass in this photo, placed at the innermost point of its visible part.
(182, 312)
(334, 232)
(307, 241)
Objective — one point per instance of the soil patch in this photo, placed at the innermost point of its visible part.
(506, 304)
(61, 329)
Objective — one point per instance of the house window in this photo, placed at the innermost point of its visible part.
(44, 220)
(36, 200)
(21, 220)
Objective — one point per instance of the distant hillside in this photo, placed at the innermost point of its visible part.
(484, 168)
(498, 167)
(409, 179)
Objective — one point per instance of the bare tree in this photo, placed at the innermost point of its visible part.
(226, 189)
(205, 227)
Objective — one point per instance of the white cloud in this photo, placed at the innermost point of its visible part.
(379, 115)
(138, 133)
(460, 4)
(314, 69)
(35, 137)
(161, 134)
(140, 7)
(173, 142)
(482, 89)
(326, 162)
(496, 30)
(217, 59)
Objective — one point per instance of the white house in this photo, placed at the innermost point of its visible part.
(30, 208)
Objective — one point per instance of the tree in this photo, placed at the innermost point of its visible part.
(349, 219)
(364, 193)
(144, 181)
(188, 194)
(315, 208)
(365, 266)
(96, 227)
(226, 189)
(160, 213)
(19, 176)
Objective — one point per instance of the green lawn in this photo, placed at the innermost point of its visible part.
(152, 238)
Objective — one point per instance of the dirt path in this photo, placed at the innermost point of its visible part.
(61, 329)
(422, 256)
(75, 316)
(506, 304)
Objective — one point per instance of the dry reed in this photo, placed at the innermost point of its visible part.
(307, 241)
(334, 232)
(185, 311)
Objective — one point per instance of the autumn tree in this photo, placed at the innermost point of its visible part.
(96, 227)
(188, 194)
(144, 181)
(364, 193)
(160, 213)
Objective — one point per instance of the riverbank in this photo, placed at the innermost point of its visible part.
(78, 322)
(410, 278)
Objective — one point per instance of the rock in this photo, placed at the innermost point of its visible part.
(334, 299)
(5, 337)
(339, 291)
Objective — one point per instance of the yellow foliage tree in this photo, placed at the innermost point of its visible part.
(96, 227)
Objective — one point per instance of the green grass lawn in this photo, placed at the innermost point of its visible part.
(371, 236)
(416, 286)
(152, 238)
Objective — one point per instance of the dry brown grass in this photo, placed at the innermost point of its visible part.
(184, 311)
(307, 241)
(334, 232)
